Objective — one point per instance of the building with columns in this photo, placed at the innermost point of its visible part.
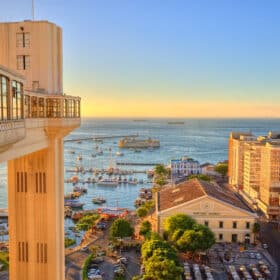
(35, 117)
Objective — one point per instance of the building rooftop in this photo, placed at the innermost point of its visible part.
(195, 188)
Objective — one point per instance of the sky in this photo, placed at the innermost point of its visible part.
(166, 58)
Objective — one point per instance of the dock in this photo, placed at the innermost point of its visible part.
(138, 163)
(98, 138)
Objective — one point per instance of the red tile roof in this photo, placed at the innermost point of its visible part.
(193, 189)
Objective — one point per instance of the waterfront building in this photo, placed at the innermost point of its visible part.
(185, 166)
(35, 117)
(254, 164)
(209, 170)
(222, 210)
(236, 156)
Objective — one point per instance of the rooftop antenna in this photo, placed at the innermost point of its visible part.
(33, 17)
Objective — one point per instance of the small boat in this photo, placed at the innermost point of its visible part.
(98, 200)
(137, 151)
(79, 142)
(79, 158)
(72, 152)
(119, 154)
(107, 182)
(79, 189)
(100, 152)
(73, 204)
(133, 181)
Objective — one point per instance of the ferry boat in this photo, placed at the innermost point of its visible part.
(132, 142)
(107, 182)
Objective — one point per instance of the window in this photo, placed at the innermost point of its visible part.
(234, 224)
(206, 223)
(17, 101)
(23, 40)
(221, 224)
(221, 237)
(23, 62)
(247, 225)
(4, 97)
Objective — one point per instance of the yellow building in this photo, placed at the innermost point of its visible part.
(228, 216)
(35, 117)
(237, 141)
(254, 164)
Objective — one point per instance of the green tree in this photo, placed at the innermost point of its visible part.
(121, 228)
(178, 222)
(156, 244)
(159, 267)
(200, 238)
(221, 168)
(145, 228)
(202, 177)
(256, 230)
(161, 181)
(87, 221)
(142, 212)
(160, 170)
(69, 242)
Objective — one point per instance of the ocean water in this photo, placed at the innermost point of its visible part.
(203, 139)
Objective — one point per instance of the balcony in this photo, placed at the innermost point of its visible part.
(11, 132)
(51, 110)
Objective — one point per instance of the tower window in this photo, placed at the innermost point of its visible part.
(23, 40)
(23, 62)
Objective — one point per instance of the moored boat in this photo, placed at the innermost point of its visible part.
(107, 182)
(98, 200)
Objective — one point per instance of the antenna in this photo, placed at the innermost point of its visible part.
(33, 10)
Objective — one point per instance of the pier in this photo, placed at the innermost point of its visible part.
(98, 138)
(138, 163)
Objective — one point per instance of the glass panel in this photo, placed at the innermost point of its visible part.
(20, 62)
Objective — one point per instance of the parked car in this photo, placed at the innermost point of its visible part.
(123, 260)
(265, 246)
(252, 255)
(84, 249)
(97, 260)
(258, 256)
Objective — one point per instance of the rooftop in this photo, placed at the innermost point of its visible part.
(195, 188)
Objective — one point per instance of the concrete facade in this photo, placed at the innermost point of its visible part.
(254, 164)
(210, 211)
(42, 49)
(35, 156)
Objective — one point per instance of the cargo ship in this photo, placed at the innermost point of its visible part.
(131, 142)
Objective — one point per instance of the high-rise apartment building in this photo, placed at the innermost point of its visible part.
(254, 170)
(35, 117)
(237, 141)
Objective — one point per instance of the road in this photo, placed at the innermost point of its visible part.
(271, 237)
(74, 261)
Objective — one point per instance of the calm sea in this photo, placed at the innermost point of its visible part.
(203, 139)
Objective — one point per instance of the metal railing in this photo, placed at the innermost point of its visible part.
(38, 105)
